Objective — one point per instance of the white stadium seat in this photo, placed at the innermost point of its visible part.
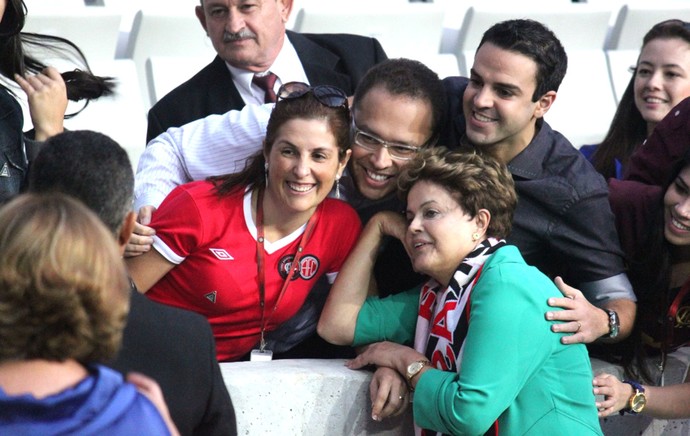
(636, 18)
(162, 32)
(95, 30)
(406, 31)
(121, 116)
(443, 64)
(620, 62)
(568, 22)
(585, 103)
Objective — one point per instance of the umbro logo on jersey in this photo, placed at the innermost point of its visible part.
(221, 254)
(211, 296)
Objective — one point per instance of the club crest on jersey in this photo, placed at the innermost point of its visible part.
(308, 267)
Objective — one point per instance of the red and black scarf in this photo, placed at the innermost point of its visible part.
(443, 317)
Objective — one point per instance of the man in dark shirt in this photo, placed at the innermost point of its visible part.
(563, 223)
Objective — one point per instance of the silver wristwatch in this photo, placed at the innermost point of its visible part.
(614, 323)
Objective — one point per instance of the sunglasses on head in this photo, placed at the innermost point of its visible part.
(327, 95)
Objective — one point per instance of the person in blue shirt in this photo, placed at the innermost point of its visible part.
(63, 305)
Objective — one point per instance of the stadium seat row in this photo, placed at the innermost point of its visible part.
(152, 48)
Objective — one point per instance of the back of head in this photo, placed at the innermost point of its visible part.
(88, 166)
(534, 40)
(406, 78)
(64, 289)
(476, 181)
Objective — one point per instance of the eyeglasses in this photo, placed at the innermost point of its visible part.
(374, 143)
(327, 95)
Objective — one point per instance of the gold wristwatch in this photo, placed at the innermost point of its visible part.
(637, 400)
(413, 369)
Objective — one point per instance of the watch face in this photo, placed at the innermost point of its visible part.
(415, 367)
(637, 402)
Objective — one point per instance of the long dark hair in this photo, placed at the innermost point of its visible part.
(304, 107)
(652, 269)
(16, 58)
(628, 129)
(649, 270)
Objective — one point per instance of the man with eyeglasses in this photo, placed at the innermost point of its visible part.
(397, 108)
(501, 114)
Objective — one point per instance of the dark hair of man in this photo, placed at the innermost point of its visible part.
(88, 166)
(16, 56)
(306, 107)
(407, 78)
(628, 129)
(534, 40)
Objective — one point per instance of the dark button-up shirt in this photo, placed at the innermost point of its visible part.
(563, 223)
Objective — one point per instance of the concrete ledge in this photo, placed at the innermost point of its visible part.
(306, 396)
(314, 396)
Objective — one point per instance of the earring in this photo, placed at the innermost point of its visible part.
(475, 236)
(266, 173)
(337, 187)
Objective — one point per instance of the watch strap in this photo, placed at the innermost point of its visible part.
(614, 323)
(637, 389)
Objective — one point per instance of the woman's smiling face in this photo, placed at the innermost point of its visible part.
(677, 209)
(303, 165)
(662, 78)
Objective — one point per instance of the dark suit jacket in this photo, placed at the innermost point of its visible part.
(328, 59)
(13, 166)
(176, 348)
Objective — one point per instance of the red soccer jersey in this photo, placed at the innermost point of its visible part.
(212, 241)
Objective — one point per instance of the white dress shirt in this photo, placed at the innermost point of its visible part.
(211, 146)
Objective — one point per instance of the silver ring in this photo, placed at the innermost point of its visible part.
(579, 326)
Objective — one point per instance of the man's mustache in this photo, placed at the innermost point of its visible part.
(242, 34)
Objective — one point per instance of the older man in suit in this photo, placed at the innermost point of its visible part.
(255, 56)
